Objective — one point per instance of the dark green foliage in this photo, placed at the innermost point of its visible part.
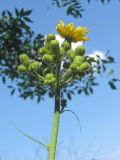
(103, 1)
(16, 37)
(112, 83)
(74, 7)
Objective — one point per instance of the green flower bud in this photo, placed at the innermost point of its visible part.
(54, 46)
(50, 37)
(49, 79)
(78, 60)
(71, 54)
(22, 68)
(34, 66)
(74, 66)
(84, 67)
(24, 59)
(66, 46)
(48, 58)
(42, 50)
(80, 50)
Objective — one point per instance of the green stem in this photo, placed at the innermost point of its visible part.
(53, 143)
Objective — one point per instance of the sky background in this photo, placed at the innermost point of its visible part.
(99, 113)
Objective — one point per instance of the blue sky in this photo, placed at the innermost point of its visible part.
(99, 113)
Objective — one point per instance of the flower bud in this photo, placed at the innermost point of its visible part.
(34, 66)
(42, 50)
(49, 79)
(22, 68)
(48, 58)
(50, 37)
(73, 66)
(78, 60)
(66, 46)
(24, 59)
(80, 50)
(71, 54)
(84, 67)
(54, 45)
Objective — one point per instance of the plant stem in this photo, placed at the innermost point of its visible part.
(53, 143)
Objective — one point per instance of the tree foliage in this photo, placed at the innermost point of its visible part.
(74, 8)
(16, 37)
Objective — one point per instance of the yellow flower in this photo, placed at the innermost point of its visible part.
(72, 34)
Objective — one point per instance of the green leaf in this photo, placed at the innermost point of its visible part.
(9, 13)
(63, 103)
(22, 12)
(112, 85)
(94, 84)
(4, 79)
(115, 80)
(91, 90)
(27, 13)
(69, 96)
(9, 86)
(31, 138)
(79, 91)
(111, 59)
(27, 19)
(3, 13)
(16, 12)
(50, 94)
(12, 92)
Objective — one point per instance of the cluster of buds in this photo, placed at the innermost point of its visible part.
(27, 65)
(71, 60)
(78, 61)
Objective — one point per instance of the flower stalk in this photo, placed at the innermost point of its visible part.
(53, 143)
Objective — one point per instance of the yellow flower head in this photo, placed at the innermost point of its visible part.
(72, 34)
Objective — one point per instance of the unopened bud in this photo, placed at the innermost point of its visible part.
(22, 68)
(78, 60)
(80, 50)
(84, 67)
(50, 37)
(34, 66)
(71, 54)
(49, 79)
(73, 67)
(54, 46)
(47, 57)
(24, 59)
(42, 50)
(66, 46)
